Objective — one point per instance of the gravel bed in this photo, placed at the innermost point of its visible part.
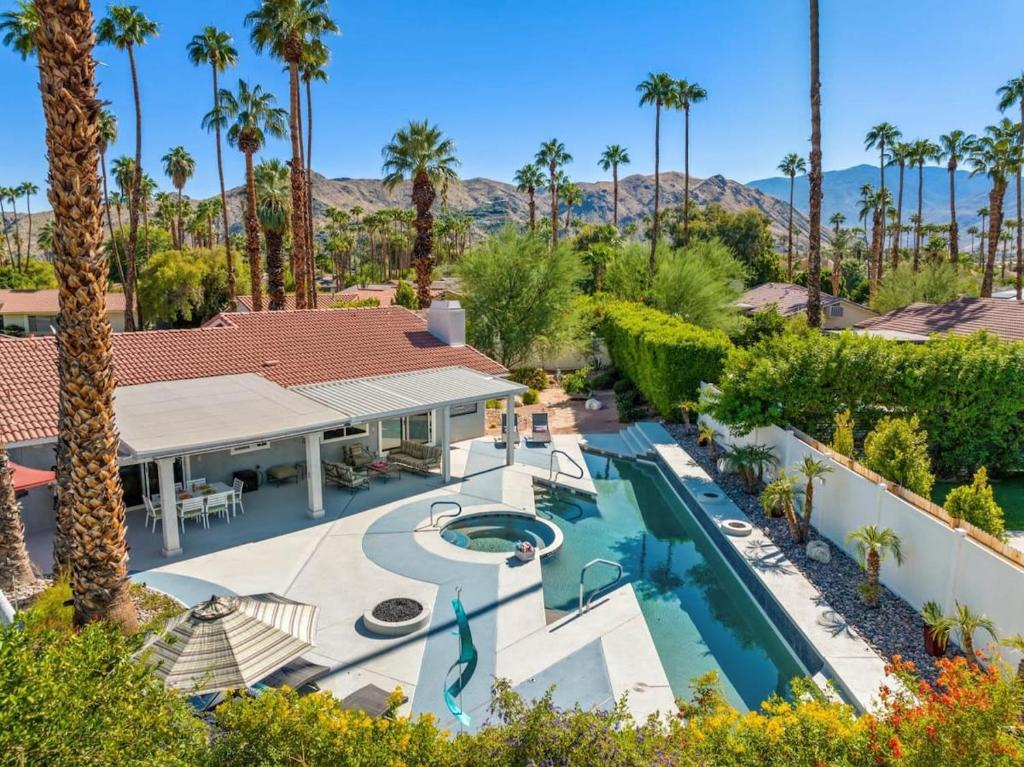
(397, 610)
(893, 628)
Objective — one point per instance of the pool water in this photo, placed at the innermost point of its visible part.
(497, 533)
(699, 615)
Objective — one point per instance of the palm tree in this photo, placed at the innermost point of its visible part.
(87, 442)
(217, 49)
(873, 545)
(955, 146)
(687, 93)
(179, 166)
(255, 117)
(107, 136)
(983, 234)
(4, 195)
(13, 193)
(781, 494)
(837, 219)
(529, 179)
(879, 136)
(573, 195)
(26, 189)
(552, 155)
(660, 90)
(1010, 94)
(18, 28)
(811, 469)
(866, 193)
(421, 152)
(791, 164)
(972, 230)
(125, 27)
(921, 151)
(315, 56)
(966, 622)
(899, 155)
(1016, 642)
(285, 28)
(815, 179)
(273, 196)
(996, 155)
(16, 572)
(611, 158)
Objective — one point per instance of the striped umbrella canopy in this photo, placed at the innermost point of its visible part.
(228, 643)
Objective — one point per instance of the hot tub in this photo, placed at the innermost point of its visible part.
(498, 532)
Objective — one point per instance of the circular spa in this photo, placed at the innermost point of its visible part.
(495, 532)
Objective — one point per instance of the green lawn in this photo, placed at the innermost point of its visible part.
(1008, 492)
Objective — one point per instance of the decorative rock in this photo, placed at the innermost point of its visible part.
(819, 551)
(593, 404)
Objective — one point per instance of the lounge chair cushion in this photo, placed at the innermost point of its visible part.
(343, 475)
(416, 456)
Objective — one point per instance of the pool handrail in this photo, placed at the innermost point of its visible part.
(593, 594)
(444, 516)
(553, 475)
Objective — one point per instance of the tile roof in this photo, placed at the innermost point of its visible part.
(789, 299)
(45, 302)
(1001, 317)
(288, 348)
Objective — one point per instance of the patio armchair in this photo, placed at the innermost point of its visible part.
(358, 456)
(343, 475)
(416, 457)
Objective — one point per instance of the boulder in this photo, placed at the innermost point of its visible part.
(593, 404)
(819, 551)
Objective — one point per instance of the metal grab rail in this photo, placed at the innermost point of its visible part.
(444, 516)
(553, 475)
(550, 515)
(583, 574)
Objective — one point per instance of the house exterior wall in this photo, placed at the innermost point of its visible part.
(468, 425)
(852, 314)
(43, 321)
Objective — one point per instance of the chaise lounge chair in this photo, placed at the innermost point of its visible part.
(541, 434)
(372, 700)
(416, 457)
(343, 475)
(500, 439)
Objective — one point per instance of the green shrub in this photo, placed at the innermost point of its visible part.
(535, 378)
(842, 437)
(531, 397)
(494, 404)
(898, 450)
(359, 303)
(405, 296)
(631, 405)
(974, 503)
(623, 385)
(665, 357)
(577, 382)
(604, 379)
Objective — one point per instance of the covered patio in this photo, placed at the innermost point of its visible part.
(207, 432)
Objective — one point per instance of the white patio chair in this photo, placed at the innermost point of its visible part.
(178, 487)
(217, 505)
(151, 513)
(197, 482)
(193, 508)
(237, 488)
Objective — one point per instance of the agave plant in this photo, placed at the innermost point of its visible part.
(706, 436)
(750, 461)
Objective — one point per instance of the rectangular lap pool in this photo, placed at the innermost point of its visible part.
(700, 616)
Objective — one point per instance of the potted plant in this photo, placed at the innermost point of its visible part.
(936, 629)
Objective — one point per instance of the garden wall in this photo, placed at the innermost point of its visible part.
(944, 559)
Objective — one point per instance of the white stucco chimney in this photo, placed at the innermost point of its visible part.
(446, 321)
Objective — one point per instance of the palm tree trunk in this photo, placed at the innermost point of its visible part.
(7, 237)
(954, 229)
(422, 250)
(180, 234)
(895, 260)
(298, 177)
(134, 200)
(110, 221)
(789, 240)
(533, 207)
(17, 234)
(881, 191)
(615, 195)
(995, 225)
(917, 224)
(553, 189)
(814, 247)
(805, 522)
(686, 175)
(28, 213)
(792, 522)
(657, 191)
(85, 364)
(252, 237)
(223, 193)
(1020, 221)
(309, 195)
(874, 270)
(16, 574)
(275, 269)
(874, 566)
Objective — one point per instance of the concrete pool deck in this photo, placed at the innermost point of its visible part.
(366, 550)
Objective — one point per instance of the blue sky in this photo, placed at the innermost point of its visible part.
(500, 76)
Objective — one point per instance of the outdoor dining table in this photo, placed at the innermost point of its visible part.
(210, 488)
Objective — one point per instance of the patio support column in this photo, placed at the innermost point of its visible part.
(314, 477)
(510, 429)
(168, 508)
(445, 424)
(186, 469)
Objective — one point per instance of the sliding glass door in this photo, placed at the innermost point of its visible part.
(414, 428)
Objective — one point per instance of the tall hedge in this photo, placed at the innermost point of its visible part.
(665, 357)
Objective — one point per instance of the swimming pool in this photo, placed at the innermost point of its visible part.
(700, 616)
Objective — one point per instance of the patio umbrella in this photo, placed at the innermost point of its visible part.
(231, 642)
(26, 478)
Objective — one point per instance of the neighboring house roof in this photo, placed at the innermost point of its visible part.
(1001, 317)
(45, 302)
(789, 299)
(288, 348)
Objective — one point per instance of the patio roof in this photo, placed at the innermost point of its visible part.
(365, 399)
(170, 418)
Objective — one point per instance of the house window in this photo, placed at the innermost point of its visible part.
(465, 409)
(836, 310)
(345, 432)
(40, 324)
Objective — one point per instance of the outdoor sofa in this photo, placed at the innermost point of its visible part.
(416, 457)
(343, 475)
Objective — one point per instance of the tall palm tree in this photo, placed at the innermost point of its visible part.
(866, 192)
(126, 27)
(921, 151)
(179, 166)
(315, 56)
(98, 552)
(982, 214)
(873, 545)
(899, 155)
(881, 135)
(658, 89)
(18, 28)
(285, 28)
(16, 572)
(13, 192)
(1010, 94)
(996, 155)
(107, 136)
(529, 179)
(791, 165)
(812, 470)
(573, 195)
(687, 93)
(955, 146)
(254, 116)
(553, 156)
(611, 158)
(9, 253)
(273, 198)
(837, 219)
(26, 189)
(216, 48)
(421, 152)
(815, 180)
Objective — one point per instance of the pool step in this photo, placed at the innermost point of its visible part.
(631, 442)
(637, 442)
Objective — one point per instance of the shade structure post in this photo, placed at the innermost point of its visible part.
(445, 422)
(168, 507)
(314, 477)
(510, 429)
